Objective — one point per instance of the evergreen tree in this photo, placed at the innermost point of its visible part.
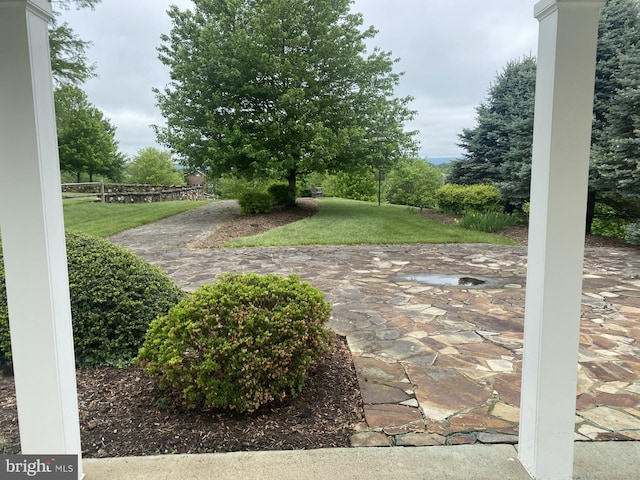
(499, 147)
(615, 154)
(279, 87)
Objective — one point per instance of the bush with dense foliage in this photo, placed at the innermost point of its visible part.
(255, 201)
(459, 199)
(114, 297)
(239, 343)
(353, 186)
(232, 187)
(413, 183)
(279, 191)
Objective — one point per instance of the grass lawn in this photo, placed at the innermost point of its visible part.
(350, 222)
(105, 219)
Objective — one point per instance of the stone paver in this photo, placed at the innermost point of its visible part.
(448, 356)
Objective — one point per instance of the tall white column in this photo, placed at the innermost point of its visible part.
(32, 228)
(561, 144)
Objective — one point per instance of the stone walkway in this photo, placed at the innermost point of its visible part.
(437, 364)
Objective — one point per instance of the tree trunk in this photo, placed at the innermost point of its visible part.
(78, 177)
(591, 210)
(291, 198)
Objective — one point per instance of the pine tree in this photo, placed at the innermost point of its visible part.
(615, 157)
(499, 147)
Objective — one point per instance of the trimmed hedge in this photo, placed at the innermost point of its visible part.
(459, 199)
(254, 202)
(114, 297)
(239, 343)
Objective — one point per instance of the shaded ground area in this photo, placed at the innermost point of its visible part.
(123, 414)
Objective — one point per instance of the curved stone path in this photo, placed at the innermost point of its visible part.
(436, 364)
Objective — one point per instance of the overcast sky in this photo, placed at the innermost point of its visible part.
(450, 51)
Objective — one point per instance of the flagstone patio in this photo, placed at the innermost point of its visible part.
(441, 364)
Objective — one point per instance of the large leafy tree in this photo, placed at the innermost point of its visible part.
(153, 167)
(279, 87)
(499, 147)
(69, 62)
(86, 140)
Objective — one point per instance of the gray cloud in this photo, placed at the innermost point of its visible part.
(450, 52)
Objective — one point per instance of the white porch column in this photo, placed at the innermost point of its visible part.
(561, 143)
(32, 228)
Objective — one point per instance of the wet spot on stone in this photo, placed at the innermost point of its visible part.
(445, 279)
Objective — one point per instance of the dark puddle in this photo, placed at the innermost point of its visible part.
(446, 280)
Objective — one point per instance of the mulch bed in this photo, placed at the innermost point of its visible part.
(246, 226)
(122, 413)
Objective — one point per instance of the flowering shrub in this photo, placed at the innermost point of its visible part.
(239, 343)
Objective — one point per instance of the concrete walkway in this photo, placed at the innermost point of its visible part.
(438, 364)
(593, 461)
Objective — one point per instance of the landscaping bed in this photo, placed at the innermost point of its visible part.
(122, 413)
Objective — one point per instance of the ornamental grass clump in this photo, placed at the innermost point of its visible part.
(487, 222)
(239, 343)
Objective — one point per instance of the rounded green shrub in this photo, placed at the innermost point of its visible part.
(239, 343)
(279, 192)
(413, 183)
(458, 199)
(254, 201)
(114, 297)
